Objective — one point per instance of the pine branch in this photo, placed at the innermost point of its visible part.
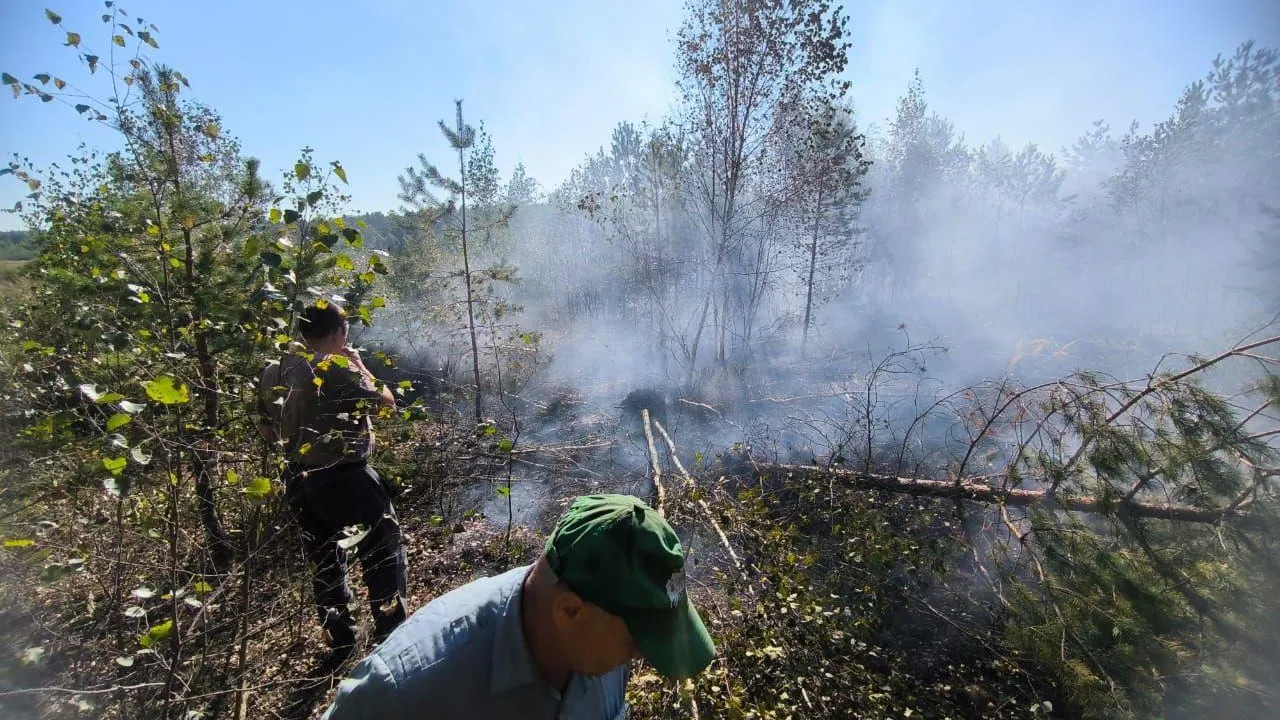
(1138, 397)
(458, 140)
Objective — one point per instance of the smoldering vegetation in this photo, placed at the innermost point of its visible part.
(962, 263)
(959, 332)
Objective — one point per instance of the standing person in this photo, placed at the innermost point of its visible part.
(551, 640)
(316, 407)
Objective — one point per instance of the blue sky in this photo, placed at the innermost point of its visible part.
(365, 83)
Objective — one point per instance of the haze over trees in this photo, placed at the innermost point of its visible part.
(953, 428)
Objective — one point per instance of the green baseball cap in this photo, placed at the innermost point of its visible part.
(618, 553)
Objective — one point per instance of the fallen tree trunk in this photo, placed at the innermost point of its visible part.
(1018, 497)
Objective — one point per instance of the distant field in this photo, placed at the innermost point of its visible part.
(11, 282)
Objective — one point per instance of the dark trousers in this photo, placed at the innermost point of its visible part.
(326, 503)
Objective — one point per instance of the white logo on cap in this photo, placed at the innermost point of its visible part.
(675, 586)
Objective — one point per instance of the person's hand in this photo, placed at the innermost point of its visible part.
(387, 399)
(354, 356)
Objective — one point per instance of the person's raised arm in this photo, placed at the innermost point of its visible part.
(383, 392)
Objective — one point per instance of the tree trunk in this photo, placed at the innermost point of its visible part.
(969, 490)
(466, 270)
(205, 458)
(697, 340)
(813, 262)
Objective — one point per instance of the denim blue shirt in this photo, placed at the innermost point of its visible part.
(463, 656)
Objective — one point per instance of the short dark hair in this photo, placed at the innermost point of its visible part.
(318, 323)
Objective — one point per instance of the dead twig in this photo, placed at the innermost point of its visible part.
(655, 464)
(724, 539)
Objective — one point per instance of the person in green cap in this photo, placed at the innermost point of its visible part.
(554, 639)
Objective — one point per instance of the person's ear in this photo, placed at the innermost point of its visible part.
(567, 609)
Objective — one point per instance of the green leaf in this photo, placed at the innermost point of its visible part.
(59, 83)
(344, 262)
(43, 78)
(314, 196)
(157, 633)
(201, 587)
(118, 39)
(302, 171)
(166, 390)
(233, 477)
(73, 39)
(93, 63)
(273, 217)
(291, 216)
(406, 384)
(108, 398)
(505, 445)
(19, 542)
(54, 17)
(115, 466)
(9, 79)
(82, 109)
(504, 491)
(342, 174)
(378, 302)
(145, 37)
(271, 259)
(258, 488)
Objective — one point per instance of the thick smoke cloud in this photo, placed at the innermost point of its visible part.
(1106, 256)
(1022, 262)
